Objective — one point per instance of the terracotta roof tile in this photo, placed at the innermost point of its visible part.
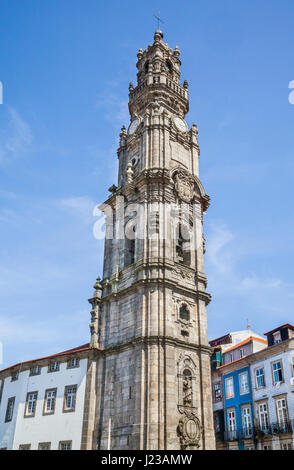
(84, 347)
(287, 325)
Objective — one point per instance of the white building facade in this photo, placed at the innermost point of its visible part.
(272, 376)
(268, 423)
(42, 402)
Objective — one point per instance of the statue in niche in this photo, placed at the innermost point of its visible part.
(184, 313)
(187, 388)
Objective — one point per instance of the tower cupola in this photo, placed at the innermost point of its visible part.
(158, 79)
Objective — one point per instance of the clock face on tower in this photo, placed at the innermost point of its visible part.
(133, 126)
(180, 124)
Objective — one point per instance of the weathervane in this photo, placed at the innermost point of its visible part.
(158, 19)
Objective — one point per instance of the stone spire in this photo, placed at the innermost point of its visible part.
(159, 78)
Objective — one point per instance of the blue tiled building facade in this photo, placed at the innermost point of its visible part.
(253, 390)
(238, 407)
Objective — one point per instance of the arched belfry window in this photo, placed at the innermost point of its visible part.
(183, 249)
(168, 66)
(184, 313)
(130, 245)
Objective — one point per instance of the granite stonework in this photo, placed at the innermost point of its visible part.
(148, 381)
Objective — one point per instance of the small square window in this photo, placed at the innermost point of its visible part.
(35, 370)
(14, 376)
(44, 446)
(65, 445)
(25, 447)
(277, 337)
(73, 363)
(53, 366)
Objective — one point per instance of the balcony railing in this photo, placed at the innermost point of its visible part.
(239, 434)
(255, 432)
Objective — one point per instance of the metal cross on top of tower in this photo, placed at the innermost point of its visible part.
(158, 19)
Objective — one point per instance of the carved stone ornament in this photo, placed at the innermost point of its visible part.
(183, 274)
(184, 185)
(189, 431)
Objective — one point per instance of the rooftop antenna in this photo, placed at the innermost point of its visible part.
(158, 19)
(248, 324)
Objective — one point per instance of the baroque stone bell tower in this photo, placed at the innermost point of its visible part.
(152, 379)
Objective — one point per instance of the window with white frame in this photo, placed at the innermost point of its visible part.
(25, 447)
(35, 370)
(263, 416)
(282, 412)
(53, 366)
(50, 400)
(277, 372)
(44, 446)
(231, 419)
(31, 404)
(277, 337)
(229, 384)
(286, 446)
(14, 376)
(246, 420)
(244, 384)
(9, 409)
(70, 398)
(242, 353)
(73, 363)
(65, 445)
(259, 377)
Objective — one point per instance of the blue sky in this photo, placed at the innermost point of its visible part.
(65, 69)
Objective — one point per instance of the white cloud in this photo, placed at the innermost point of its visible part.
(44, 338)
(256, 283)
(227, 253)
(219, 238)
(241, 282)
(116, 109)
(17, 138)
(82, 206)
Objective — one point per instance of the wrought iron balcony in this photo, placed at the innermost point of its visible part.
(239, 434)
(257, 432)
(283, 427)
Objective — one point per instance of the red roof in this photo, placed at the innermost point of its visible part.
(84, 347)
(287, 325)
(219, 341)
